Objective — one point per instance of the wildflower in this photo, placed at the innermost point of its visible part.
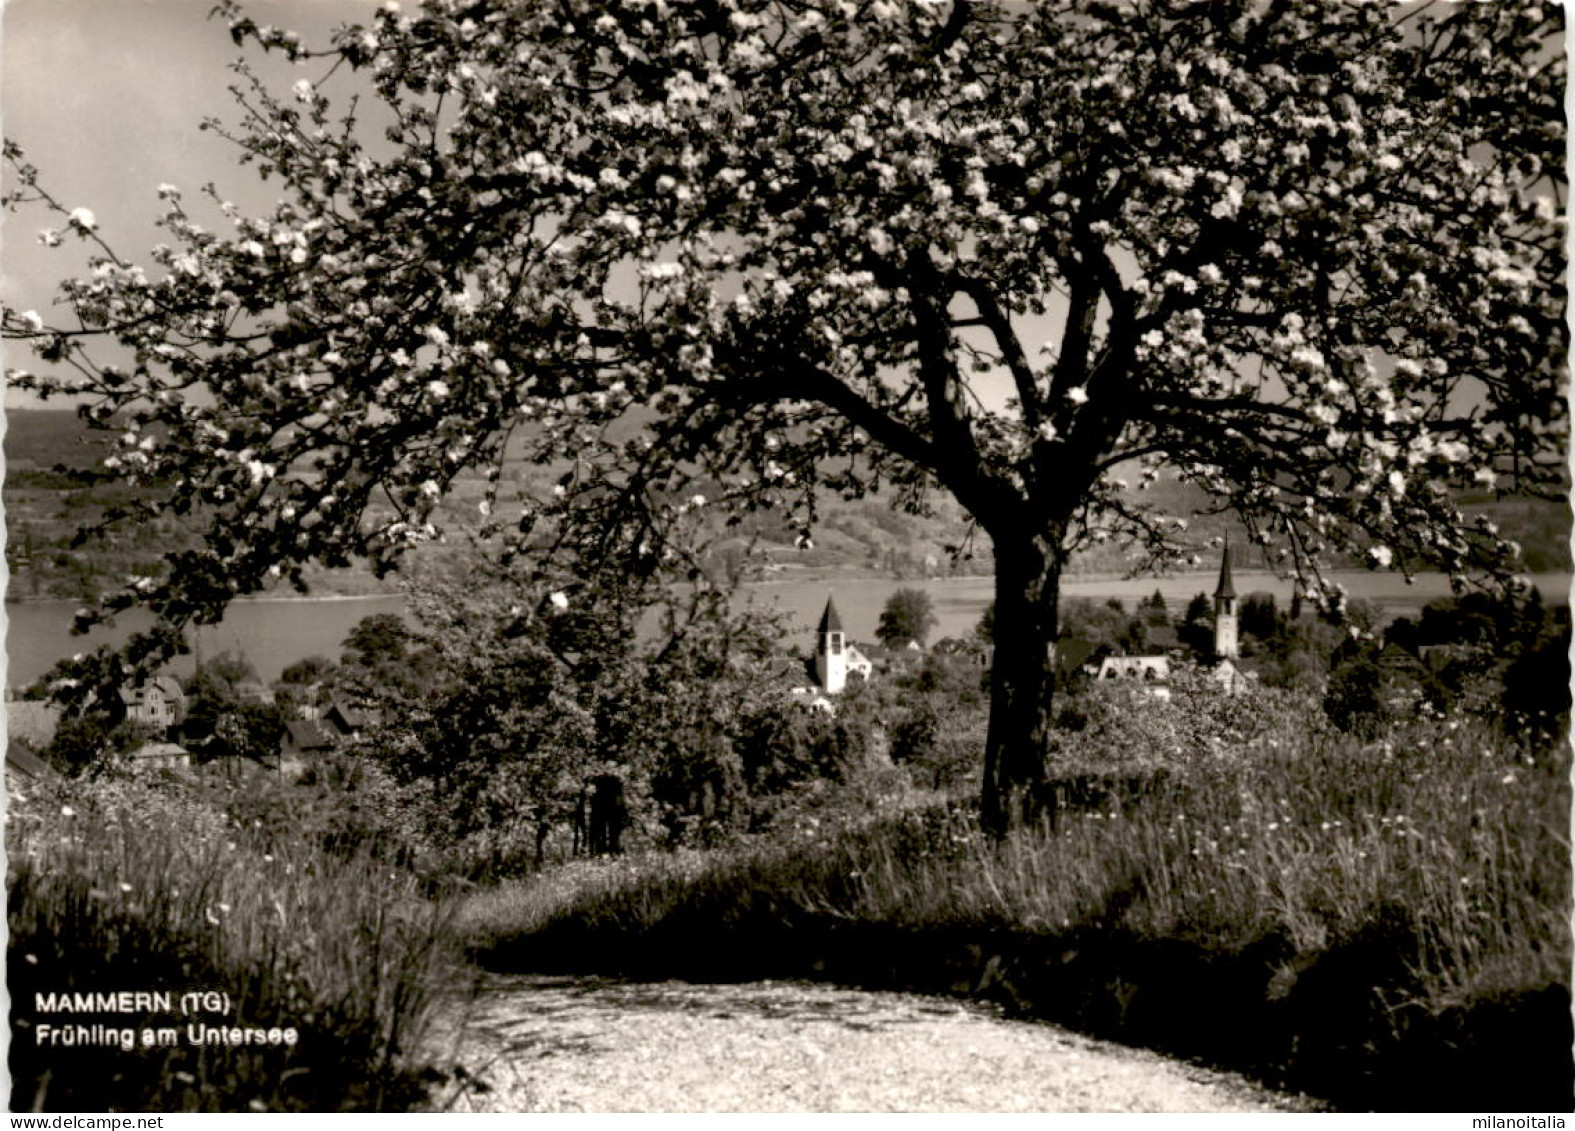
(32, 320)
(125, 887)
(83, 219)
(559, 601)
(67, 811)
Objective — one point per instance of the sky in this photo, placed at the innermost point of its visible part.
(106, 97)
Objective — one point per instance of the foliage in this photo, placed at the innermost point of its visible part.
(226, 714)
(1099, 623)
(88, 741)
(1259, 616)
(908, 617)
(539, 685)
(775, 249)
(1496, 658)
(1125, 727)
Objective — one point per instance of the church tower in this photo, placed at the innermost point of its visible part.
(1225, 628)
(831, 650)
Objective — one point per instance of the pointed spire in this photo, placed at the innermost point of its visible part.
(830, 621)
(1226, 587)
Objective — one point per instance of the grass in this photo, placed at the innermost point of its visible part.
(123, 886)
(1379, 924)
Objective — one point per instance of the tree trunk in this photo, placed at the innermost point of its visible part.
(1022, 679)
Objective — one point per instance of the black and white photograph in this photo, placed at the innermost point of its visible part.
(787, 556)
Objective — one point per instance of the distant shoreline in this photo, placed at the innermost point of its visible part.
(811, 576)
(299, 598)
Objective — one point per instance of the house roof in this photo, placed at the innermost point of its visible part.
(1226, 587)
(886, 654)
(350, 717)
(830, 620)
(167, 686)
(1159, 666)
(309, 734)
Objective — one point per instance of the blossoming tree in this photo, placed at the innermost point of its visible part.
(1305, 255)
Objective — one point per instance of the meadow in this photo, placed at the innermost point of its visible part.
(1380, 925)
(124, 886)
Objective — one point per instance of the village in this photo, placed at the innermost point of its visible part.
(597, 557)
(228, 719)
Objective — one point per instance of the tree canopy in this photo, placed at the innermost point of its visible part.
(909, 615)
(732, 253)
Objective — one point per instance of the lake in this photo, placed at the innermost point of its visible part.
(274, 633)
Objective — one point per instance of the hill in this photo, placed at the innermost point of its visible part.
(50, 495)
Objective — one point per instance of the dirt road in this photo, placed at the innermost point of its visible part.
(575, 1044)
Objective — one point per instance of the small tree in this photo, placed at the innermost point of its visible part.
(226, 722)
(1260, 616)
(89, 742)
(909, 616)
(1304, 256)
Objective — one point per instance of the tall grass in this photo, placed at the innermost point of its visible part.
(123, 886)
(1364, 900)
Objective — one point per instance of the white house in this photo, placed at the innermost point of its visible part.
(160, 703)
(1152, 671)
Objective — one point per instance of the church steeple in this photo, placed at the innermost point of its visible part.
(831, 653)
(830, 621)
(1226, 587)
(1226, 635)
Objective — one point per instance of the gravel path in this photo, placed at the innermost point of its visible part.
(541, 1044)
